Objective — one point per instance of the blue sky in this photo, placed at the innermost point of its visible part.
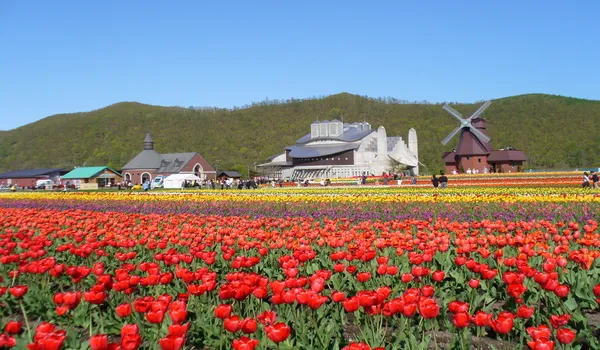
(70, 56)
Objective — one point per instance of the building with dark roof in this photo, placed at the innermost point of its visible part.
(229, 175)
(334, 149)
(29, 177)
(93, 177)
(474, 154)
(149, 164)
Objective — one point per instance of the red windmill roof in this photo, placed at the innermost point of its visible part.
(471, 145)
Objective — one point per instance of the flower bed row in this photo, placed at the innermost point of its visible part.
(124, 280)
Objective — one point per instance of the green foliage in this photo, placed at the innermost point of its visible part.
(554, 131)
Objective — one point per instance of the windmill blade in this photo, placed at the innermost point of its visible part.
(481, 136)
(451, 135)
(454, 113)
(480, 110)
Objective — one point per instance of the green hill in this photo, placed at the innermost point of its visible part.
(555, 131)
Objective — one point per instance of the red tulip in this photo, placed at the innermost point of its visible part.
(461, 320)
(223, 311)
(18, 291)
(178, 330)
(155, 317)
(565, 335)
(473, 283)
(249, 326)
(596, 290)
(94, 297)
(363, 277)
(516, 290)
(406, 277)
(171, 342)
(541, 332)
(339, 268)
(99, 342)
(351, 304)
(62, 309)
(232, 324)
(123, 310)
(561, 291)
(503, 324)
(482, 319)
(7, 341)
(525, 312)
(427, 291)
(338, 297)
(267, 318)
(278, 332)
(558, 321)
(244, 343)
(541, 344)
(13, 327)
(178, 312)
(428, 308)
(438, 276)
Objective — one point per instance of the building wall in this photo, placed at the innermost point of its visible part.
(343, 158)
(450, 167)
(23, 182)
(473, 162)
(511, 167)
(136, 175)
(31, 181)
(207, 169)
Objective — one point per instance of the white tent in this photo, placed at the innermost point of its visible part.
(178, 180)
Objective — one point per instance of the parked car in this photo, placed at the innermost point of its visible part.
(158, 182)
(42, 184)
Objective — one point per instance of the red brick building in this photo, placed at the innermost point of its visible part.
(474, 153)
(29, 177)
(149, 164)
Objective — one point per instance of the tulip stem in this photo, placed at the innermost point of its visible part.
(26, 320)
(100, 320)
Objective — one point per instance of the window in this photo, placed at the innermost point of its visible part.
(468, 158)
(146, 177)
(346, 158)
(478, 160)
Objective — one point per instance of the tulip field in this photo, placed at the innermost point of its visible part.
(301, 268)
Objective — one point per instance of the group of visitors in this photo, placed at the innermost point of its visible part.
(440, 181)
(591, 177)
(485, 170)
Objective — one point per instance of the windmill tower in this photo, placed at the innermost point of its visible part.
(474, 143)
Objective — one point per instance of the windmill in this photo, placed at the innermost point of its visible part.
(466, 124)
(473, 147)
(474, 151)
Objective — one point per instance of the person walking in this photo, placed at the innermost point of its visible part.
(443, 180)
(586, 180)
(435, 181)
(594, 179)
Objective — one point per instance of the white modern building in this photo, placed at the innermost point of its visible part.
(334, 149)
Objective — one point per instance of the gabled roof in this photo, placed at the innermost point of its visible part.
(28, 173)
(507, 155)
(146, 159)
(319, 151)
(230, 174)
(174, 162)
(449, 157)
(349, 135)
(87, 172)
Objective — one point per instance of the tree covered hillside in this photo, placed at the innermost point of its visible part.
(554, 131)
